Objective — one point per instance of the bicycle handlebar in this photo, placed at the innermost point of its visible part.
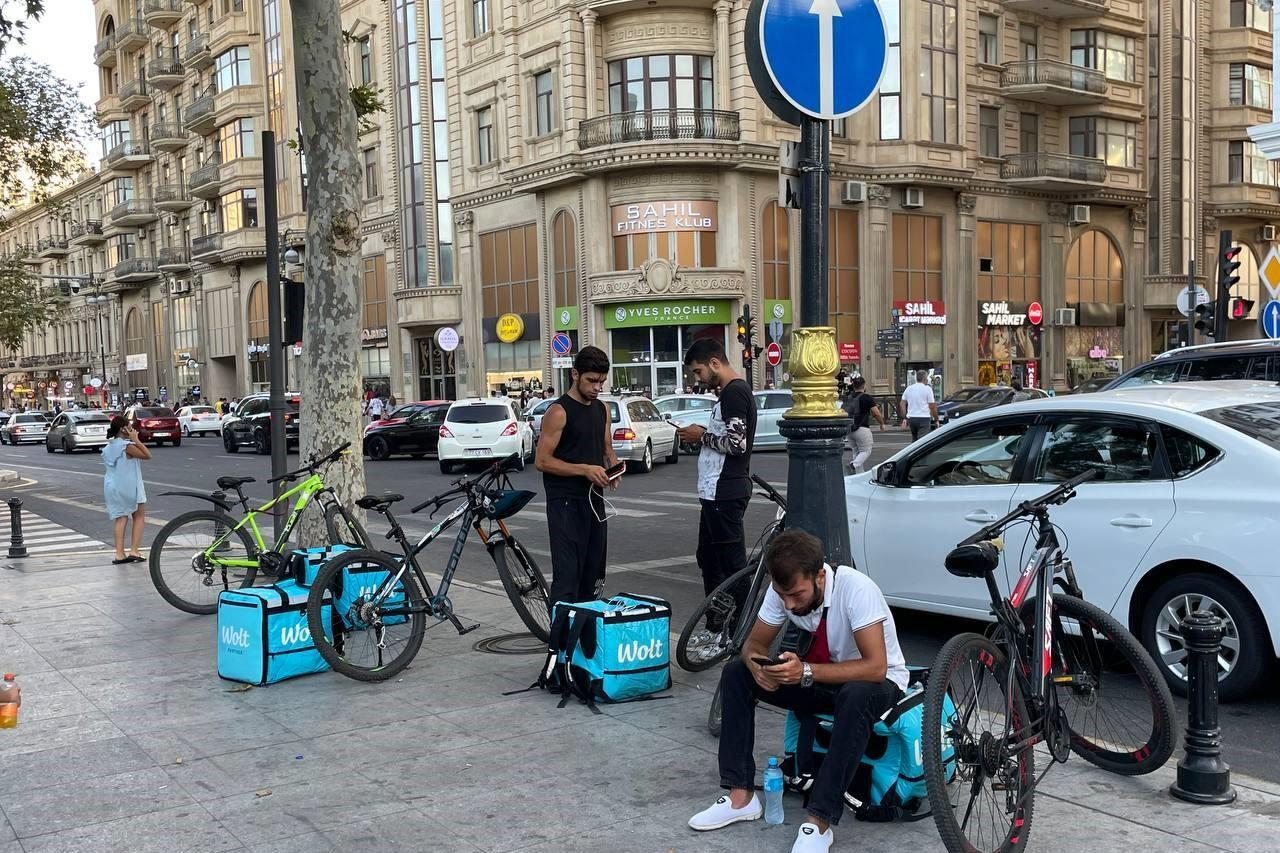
(1059, 495)
(769, 491)
(313, 465)
(464, 486)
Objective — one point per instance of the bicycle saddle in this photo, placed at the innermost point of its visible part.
(234, 482)
(378, 502)
(973, 561)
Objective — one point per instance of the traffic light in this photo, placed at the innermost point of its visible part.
(742, 329)
(746, 337)
(1205, 316)
(1240, 308)
(1227, 267)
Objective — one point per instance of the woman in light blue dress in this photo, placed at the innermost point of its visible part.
(125, 496)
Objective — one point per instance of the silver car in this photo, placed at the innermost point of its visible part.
(26, 426)
(770, 407)
(640, 434)
(534, 416)
(79, 430)
(687, 410)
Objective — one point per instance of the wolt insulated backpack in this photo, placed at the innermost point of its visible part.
(608, 651)
(889, 781)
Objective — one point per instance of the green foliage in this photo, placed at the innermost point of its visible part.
(23, 303)
(367, 100)
(13, 23)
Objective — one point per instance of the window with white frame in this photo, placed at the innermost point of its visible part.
(891, 82)
(1249, 85)
(1111, 53)
(989, 39)
(1109, 139)
(232, 69)
(1246, 164)
(543, 103)
(235, 140)
(479, 17)
(239, 210)
(370, 173)
(989, 131)
(484, 135)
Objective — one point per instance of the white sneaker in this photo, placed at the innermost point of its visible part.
(722, 813)
(809, 840)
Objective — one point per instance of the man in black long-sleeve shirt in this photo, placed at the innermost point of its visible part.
(724, 465)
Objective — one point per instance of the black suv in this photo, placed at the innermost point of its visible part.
(250, 426)
(1259, 360)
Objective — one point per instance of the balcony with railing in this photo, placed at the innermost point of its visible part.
(104, 52)
(129, 155)
(135, 270)
(135, 94)
(52, 247)
(174, 259)
(1058, 8)
(1047, 81)
(166, 71)
(205, 182)
(30, 255)
(132, 34)
(199, 116)
(169, 136)
(196, 54)
(134, 212)
(207, 247)
(1045, 171)
(171, 198)
(162, 13)
(87, 233)
(664, 125)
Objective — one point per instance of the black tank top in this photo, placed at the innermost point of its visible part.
(581, 442)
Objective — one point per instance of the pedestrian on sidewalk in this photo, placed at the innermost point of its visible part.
(861, 408)
(126, 498)
(919, 411)
(574, 449)
(853, 668)
(375, 408)
(724, 466)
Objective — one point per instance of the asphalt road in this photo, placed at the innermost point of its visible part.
(651, 541)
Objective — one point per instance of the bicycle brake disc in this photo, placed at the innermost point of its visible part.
(270, 563)
(1057, 734)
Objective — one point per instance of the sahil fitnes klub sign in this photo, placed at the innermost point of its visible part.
(663, 216)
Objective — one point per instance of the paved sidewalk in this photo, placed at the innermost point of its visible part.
(128, 741)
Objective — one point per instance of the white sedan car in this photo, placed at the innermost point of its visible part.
(482, 430)
(195, 420)
(1180, 517)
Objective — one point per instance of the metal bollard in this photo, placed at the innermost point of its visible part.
(17, 546)
(1203, 777)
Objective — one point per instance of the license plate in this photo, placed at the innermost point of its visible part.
(477, 451)
(161, 434)
(97, 430)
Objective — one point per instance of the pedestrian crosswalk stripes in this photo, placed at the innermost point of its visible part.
(44, 537)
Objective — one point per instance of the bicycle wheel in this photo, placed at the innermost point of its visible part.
(187, 555)
(980, 782)
(1128, 728)
(365, 640)
(708, 636)
(526, 587)
(343, 529)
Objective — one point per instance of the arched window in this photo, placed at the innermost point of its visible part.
(259, 337)
(135, 345)
(776, 228)
(1095, 270)
(564, 261)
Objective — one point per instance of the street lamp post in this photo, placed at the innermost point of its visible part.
(99, 302)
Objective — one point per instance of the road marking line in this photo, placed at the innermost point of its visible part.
(622, 512)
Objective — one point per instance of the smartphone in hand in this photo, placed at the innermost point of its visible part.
(769, 661)
(616, 471)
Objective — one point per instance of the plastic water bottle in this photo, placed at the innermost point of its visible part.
(773, 793)
(10, 699)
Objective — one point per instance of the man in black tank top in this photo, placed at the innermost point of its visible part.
(574, 449)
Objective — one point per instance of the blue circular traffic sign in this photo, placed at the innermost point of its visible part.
(561, 343)
(1271, 319)
(825, 56)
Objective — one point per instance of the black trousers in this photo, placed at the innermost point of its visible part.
(722, 546)
(579, 545)
(919, 426)
(855, 705)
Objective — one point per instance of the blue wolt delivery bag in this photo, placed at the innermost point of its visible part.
(359, 582)
(263, 635)
(305, 563)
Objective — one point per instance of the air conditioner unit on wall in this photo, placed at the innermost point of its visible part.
(1079, 214)
(180, 286)
(1064, 317)
(1267, 233)
(854, 192)
(913, 197)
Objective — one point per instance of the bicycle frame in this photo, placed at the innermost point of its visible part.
(305, 491)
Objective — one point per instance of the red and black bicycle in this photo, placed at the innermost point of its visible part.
(1055, 673)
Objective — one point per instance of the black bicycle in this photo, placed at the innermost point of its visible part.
(1038, 677)
(378, 629)
(719, 628)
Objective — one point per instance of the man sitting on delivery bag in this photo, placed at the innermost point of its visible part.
(853, 669)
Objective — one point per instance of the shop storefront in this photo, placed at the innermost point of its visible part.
(513, 353)
(375, 361)
(647, 341)
(437, 364)
(1009, 345)
(1093, 353)
(922, 323)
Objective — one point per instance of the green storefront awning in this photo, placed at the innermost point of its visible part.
(668, 312)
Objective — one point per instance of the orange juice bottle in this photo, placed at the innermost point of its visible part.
(10, 699)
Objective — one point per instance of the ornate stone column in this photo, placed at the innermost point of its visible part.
(876, 288)
(1054, 245)
(961, 332)
(723, 59)
(1137, 328)
(470, 359)
(589, 19)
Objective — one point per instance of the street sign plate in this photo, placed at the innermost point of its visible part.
(825, 56)
(1269, 272)
(773, 355)
(561, 344)
(1184, 299)
(1271, 319)
(789, 174)
(775, 329)
(893, 334)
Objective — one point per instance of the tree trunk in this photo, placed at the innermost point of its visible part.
(330, 368)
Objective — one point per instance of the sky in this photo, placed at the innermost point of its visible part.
(63, 39)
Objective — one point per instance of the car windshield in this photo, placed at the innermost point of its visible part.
(153, 413)
(988, 395)
(91, 417)
(964, 394)
(486, 413)
(201, 410)
(32, 419)
(1259, 421)
(615, 412)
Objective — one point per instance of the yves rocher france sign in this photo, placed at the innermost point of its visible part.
(650, 216)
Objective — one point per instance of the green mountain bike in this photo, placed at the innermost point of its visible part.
(200, 553)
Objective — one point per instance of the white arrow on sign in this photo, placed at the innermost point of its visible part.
(826, 10)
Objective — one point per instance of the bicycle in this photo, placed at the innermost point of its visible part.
(378, 630)
(1037, 677)
(203, 552)
(726, 610)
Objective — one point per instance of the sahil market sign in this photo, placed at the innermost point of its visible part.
(1000, 314)
(667, 312)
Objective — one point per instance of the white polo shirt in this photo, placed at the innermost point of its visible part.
(853, 602)
(918, 397)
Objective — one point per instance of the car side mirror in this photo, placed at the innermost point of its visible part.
(666, 416)
(886, 473)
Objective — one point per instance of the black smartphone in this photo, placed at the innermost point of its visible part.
(616, 471)
(769, 661)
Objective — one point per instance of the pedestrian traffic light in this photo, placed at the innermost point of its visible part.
(1205, 319)
(746, 358)
(1240, 308)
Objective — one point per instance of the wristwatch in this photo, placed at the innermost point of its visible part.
(806, 680)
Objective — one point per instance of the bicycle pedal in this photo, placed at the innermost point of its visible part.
(468, 630)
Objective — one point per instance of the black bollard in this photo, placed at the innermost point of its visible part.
(1203, 777)
(17, 546)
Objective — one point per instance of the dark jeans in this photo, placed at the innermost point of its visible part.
(856, 706)
(579, 542)
(722, 546)
(919, 426)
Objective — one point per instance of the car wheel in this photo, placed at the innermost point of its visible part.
(261, 444)
(1245, 656)
(446, 467)
(66, 446)
(378, 448)
(48, 448)
(416, 455)
(229, 443)
(646, 462)
(674, 456)
(177, 442)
